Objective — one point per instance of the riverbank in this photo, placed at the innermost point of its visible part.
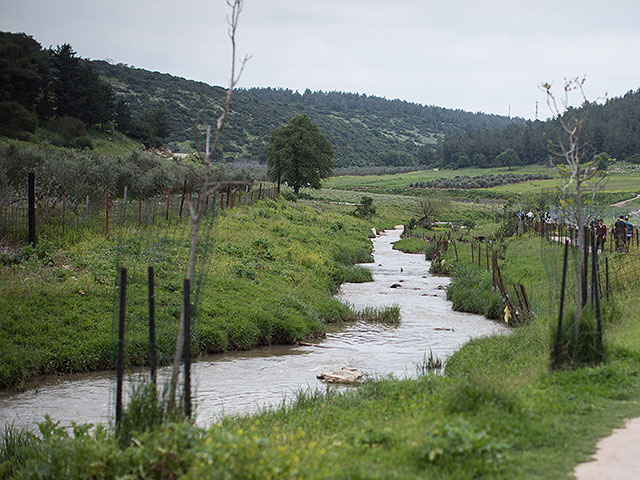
(59, 300)
(246, 382)
(499, 412)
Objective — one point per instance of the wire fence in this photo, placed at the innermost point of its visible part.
(103, 212)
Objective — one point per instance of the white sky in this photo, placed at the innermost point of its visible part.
(475, 55)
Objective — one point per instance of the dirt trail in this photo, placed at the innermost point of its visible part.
(624, 202)
(616, 456)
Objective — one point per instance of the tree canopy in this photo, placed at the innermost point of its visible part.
(299, 154)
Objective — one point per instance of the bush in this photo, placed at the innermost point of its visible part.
(82, 142)
(451, 444)
(470, 291)
(366, 208)
(16, 121)
(69, 128)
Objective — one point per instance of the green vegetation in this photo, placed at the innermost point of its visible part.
(471, 291)
(401, 181)
(387, 315)
(299, 154)
(288, 258)
(498, 413)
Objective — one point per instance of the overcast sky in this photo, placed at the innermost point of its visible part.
(483, 55)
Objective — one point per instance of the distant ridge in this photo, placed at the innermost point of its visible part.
(364, 130)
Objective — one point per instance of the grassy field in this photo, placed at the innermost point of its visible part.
(623, 182)
(402, 180)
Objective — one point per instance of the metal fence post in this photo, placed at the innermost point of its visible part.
(120, 353)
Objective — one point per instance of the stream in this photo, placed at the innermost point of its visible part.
(245, 382)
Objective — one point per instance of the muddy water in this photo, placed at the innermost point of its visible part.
(247, 381)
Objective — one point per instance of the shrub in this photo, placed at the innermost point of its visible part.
(450, 444)
(69, 128)
(366, 208)
(82, 142)
(16, 121)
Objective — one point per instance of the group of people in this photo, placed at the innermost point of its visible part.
(622, 231)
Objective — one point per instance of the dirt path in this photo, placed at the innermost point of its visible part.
(616, 456)
(624, 202)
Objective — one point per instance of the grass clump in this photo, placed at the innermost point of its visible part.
(389, 315)
(572, 351)
(429, 364)
(470, 291)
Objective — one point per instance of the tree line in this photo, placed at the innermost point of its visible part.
(610, 127)
(55, 89)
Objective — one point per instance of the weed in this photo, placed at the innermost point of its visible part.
(586, 349)
(429, 364)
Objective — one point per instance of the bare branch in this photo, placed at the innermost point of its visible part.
(208, 186)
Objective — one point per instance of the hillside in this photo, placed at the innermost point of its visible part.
(364, 130)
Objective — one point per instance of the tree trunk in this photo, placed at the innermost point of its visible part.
(579, 257)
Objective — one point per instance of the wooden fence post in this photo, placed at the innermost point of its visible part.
(594, 289)
(86, 212)
(167, 216)
(184, 190)
(606, 264)
(107, 210)
(64, 210)
(32, 207)
(558, 344)
(187, 348)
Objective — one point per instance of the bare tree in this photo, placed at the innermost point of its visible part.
(430, 208)
(212, 143)
(581, 175)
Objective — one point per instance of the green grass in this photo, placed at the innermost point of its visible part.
(59, 302)
(499, 412)
(622, 183)
(388, 315)
(402, 180)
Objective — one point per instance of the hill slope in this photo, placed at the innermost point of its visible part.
(363, 130)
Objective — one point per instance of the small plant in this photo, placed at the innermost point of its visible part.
(366, 209)
(145, 412)
(429, 364)
(12, 441)
(450, 443)
(587, 350)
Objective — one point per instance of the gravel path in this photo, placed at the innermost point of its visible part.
(617, 456)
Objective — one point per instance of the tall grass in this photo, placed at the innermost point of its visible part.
(389, 315)
(471, 291)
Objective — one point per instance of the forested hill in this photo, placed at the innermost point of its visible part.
(364, 130)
